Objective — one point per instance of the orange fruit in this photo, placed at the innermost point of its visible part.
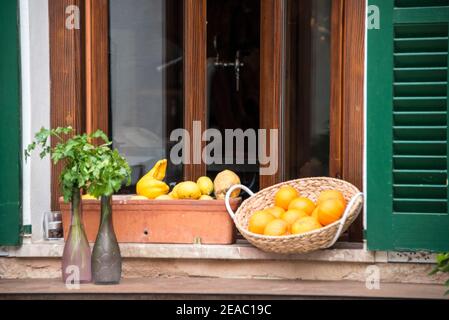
(330, 211)
(276, 228)
(330, 194)
(315, 213)
(304, 225)
(275, 211)
(284, 196)
(259, 221)
(303, 204)
(292, 215)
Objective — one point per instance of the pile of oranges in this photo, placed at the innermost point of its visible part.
(293, 214)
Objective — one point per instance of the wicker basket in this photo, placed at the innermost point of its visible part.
(306, 242)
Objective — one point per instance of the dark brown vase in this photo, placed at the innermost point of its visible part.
(106, 258)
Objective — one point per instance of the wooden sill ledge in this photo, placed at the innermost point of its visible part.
(213, 288)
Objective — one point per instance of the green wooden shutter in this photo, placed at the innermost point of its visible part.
(10, 142)
(407, 126)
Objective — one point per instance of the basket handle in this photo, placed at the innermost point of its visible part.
(345, 217)
(228, 196)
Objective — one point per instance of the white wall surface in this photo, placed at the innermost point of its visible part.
(35, 68)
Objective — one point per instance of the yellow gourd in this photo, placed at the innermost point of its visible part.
(151, 184)
(158, 171)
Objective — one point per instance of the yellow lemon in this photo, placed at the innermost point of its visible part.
(164, 197)
(88, 197)
(188, 190)
(174, 192)
(206, 185)
(206, 197)
(138, 198)
(173, 195)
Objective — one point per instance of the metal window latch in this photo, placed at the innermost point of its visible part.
(236, 64)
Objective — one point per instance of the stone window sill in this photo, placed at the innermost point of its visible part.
(341, 252)
(242, 250)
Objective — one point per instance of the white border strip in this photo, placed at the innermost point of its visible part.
(26, 105)
(35, 78)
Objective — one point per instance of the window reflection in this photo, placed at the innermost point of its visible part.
(145, 80)
(307, 85)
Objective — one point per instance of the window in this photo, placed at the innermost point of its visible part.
(295, 66)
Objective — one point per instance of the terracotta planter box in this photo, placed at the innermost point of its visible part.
(163, 221)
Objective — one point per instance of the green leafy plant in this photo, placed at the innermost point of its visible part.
(96, 169)
(442, 266)
(110, 171)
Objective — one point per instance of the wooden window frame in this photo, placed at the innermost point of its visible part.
(80, 84)
(97, 65)
(347, 97)
(66, 74)
(195, 77)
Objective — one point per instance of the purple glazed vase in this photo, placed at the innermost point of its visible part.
(76, 258)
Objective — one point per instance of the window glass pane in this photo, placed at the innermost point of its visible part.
(145, 80)
(233, 65)
(307, 85)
